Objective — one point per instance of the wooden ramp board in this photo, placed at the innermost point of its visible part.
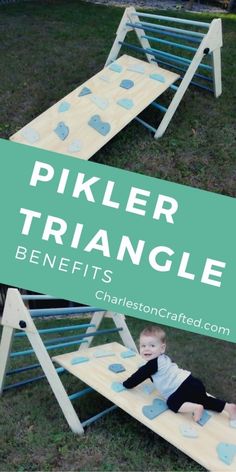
(96, 374)
(40, 132)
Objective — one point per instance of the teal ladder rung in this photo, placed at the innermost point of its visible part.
(159, 107)
(144, 123)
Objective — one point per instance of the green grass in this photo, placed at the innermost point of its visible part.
(35, 435)
(50, 47)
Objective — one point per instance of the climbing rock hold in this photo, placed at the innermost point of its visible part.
(155, 409)
(127, 84)
(100, 126)
(125, 103)
(62, 130)
(30, 134)
(64, 106)
(117, 368)
(158, 77)
(84, 91)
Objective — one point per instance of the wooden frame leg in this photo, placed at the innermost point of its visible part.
(216, 63)
(14, 316)
(125, 335)
(5, 350)
(95, 320)
(55, 383)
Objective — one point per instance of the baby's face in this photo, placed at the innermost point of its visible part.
(150, 347)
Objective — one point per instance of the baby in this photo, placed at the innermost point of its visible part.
(183, 392)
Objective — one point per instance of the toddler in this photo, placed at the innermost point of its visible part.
(182, 392)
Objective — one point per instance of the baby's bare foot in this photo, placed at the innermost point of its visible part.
(231, 410)
(197, 412)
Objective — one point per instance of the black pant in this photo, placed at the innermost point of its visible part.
(192, 390)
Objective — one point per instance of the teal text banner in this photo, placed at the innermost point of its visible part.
(117, 240)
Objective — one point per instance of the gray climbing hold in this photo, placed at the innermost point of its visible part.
(226, 452)
(127, 84)
(103, 353)
(155, 409)
(137, 68)
(75, 146)
(204, 418)
(117, 387)
(188, 431)
(30, 134)
(100, 126)
(62, 130)
(125, 103)
(64, 106)
(85, 91)
(101, 103)
(128, 353)
(158, 77)
(104, 78)
(117, 368)
(79, 360)
(115, 67)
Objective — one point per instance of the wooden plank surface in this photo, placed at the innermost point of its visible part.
(144, 91)
(96, 374)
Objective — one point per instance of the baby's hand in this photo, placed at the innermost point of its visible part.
(117, 387)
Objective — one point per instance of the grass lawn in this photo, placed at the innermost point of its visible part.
(35, 435)
(47, 49)
(50, 47)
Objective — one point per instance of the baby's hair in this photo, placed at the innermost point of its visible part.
(154, 331)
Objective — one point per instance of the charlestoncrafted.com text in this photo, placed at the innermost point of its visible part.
(163, 313)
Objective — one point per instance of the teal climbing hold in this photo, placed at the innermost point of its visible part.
(226, 452)
(117, 368)
(101, 103)
(125, 103)
(85, 91)
(204, 418)
(30, 134)
(127, 84)
(115, 67)
(79, 360)
(117, 387)
(188, 431)
(128, 353)
(100, 126)
(158, 77)
(157, 407)
(64, 106)
(62, 130)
